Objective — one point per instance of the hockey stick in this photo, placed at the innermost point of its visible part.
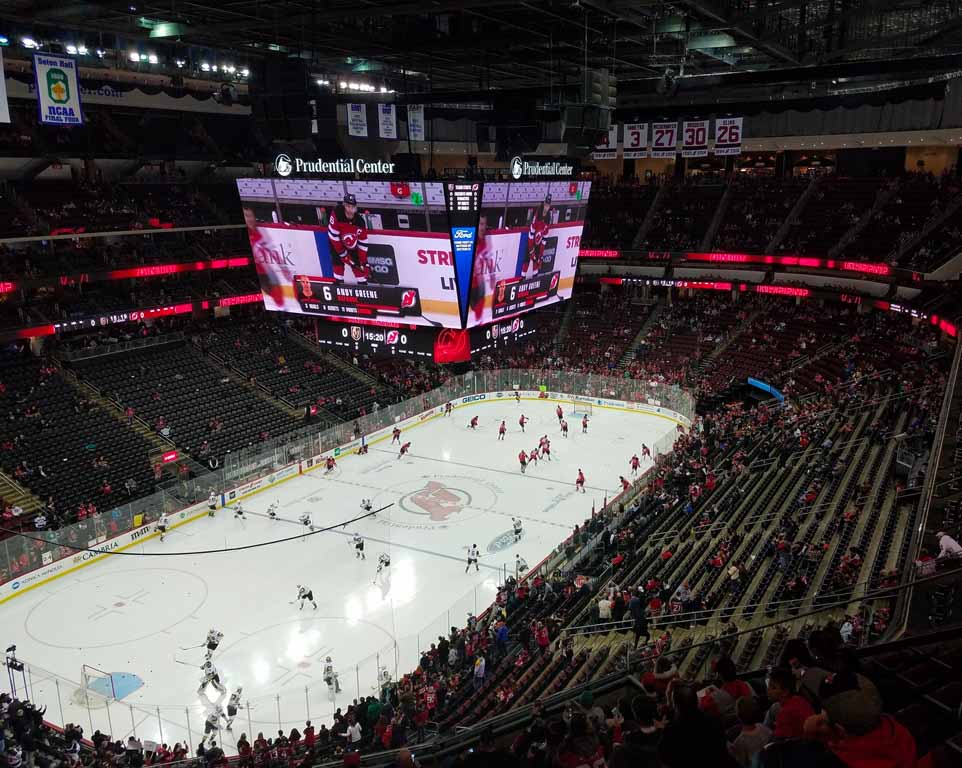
(192, 647)
(186, 663)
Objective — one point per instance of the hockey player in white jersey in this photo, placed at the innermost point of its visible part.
(358, 541)
(517, 524)
(383, 563)
(233, 704)
(213, 640)
(211, 504)
(162, 524)
(330, 677)
(239, 511)
(272, 510)
(211, 726)
(520, 566)
(473, 554)
(305, 595)
(305, 520)
(211, 677)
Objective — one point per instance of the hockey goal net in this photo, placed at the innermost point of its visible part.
(96, 688)
(581, 409)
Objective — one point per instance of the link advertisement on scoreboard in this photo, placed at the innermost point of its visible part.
(376, 250)
(527, 244)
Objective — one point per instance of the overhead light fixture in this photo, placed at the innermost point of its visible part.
(4, 40)
(230, 68)
(72, 50)
(134, 56)
(29, 42)
(354, 86)
(179, 63)
(100, 53)
(82, 50)
(205, 66)
(383, 89)
(342, 84)
(152, 58)
(246, 72)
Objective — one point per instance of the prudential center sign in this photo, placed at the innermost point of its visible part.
(520, 168)
(285, 165)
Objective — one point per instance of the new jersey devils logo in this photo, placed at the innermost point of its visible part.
(408, 298)
(438, 501)
(349, 239)
(554, 281)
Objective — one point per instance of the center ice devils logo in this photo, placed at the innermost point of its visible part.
(437, 501)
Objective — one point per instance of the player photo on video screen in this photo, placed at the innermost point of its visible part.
(526, 256)
(370, 250)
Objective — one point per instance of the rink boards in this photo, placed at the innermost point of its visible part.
(100, 549)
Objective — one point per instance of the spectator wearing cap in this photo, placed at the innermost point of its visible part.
(853, 728)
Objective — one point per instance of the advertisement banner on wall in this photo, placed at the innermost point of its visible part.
(416, 122)
(386, 121)
(357, 120)
(58, 94)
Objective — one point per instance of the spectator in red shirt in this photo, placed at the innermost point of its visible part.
(793, 709)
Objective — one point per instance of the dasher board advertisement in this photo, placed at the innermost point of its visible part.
(371, 250)
(526, 253)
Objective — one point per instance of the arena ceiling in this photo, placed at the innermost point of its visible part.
(479, 45)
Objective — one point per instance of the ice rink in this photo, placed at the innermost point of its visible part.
(136, 617)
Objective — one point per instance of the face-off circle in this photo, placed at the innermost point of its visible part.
(115, 608)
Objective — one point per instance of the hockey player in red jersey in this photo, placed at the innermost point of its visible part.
(533, 456)
(545, 447)
(523, 458)
(347, 234)
(474, 422)
(522, 421)
(537, 235)
(635, 463)
(584, 424)
(502, 430)
(330, 465)
(396, 436)
(625, 485)
(560, 413)
(404, 449)
(645, 451)
(564, 428)
(580, 482)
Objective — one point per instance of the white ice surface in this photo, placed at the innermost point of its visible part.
(133, 614)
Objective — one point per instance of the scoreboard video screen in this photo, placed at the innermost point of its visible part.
(529, 236)
(452, 255)
(368, 250)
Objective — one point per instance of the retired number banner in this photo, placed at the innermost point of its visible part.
(635, 141)
(695, 138)
(664, 139)
(728, 136)
(58, 96)
(607, 148)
